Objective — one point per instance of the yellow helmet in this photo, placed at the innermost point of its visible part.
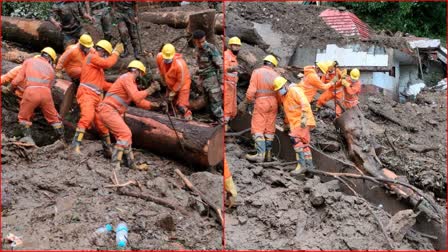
(272, 59)
(138, 65)
(86, 40)
(168, 51)
(234, 41)
(50, 52)
(324, 66)
(106, 45)
(279, 82)
(354, 74)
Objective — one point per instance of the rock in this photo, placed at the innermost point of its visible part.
(210, 185)
(329, 146)
(400, 224)
(321, 191)
(166, 222)
(310, 183)
(160, 185)
(257, 171)
(242, 220)
(198, 206)
(276, 181)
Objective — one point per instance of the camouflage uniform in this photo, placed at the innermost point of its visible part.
(210, 65)
(101, 12)
(125, 16)
(69, 14)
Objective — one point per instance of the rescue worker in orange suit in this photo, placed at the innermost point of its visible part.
(299, 119)
(176, 75)
(311, 82)
(72, 59)
(91, 88)
(8, 77)
(229, 186)
(261, 89)
(231, 79)
(352, 88)
(334, 92)
(38, 75)
(111, 110)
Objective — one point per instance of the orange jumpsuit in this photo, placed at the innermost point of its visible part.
(329, 94)
(350, 96)
(92, 85)
(230, 82)
(39, 76)
(295, 104)
(177, 78)
(71, 61)
(261, 88)
(311, 83)
(111, 110)
(9, 76)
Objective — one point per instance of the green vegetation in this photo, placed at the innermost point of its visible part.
(35, 10)
(423, 19)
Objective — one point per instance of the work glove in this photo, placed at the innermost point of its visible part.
(242, 107)
(171, 96)
(286, 128)
(155, 105)
(303, 122)
(345, 83)
(155, 86)
(335, 79)
(300, 76)
(118, 49)
(6, 89)
(59, 74)
(344, 74)
(231, 189)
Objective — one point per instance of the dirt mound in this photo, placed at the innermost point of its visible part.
(277, 211)
(304, 22)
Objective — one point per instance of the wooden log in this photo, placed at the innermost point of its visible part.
(204, 20)
(360, 146)
(37, 34)
(178, 19)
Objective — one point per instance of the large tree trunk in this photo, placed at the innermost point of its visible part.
(37, 34)
(360, 147)
(202, 144)
(178, 19)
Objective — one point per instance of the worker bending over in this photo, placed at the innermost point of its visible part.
(300, 119)
(352, 88)
(312, 82)
(110, 111)
(39, 76)
(176, 75)
(333, 92)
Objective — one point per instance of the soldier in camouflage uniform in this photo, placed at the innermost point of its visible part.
(101, 15)
(69, 14)
(210, 67)
(126, 15)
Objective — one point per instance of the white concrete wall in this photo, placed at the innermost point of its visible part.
(354, 55)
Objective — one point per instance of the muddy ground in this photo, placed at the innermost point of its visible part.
(275, 210)
(54, 200)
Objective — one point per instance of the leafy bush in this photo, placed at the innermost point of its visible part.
(34, 10)
(423, 19)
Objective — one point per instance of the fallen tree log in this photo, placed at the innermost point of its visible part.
(178, 19)
(153, 131)
(36, 33)
(362, 152)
